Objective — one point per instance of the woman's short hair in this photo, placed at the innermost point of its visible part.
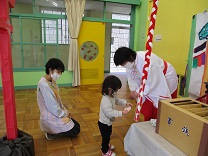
(54, 63)
(112, 82)
(124, 54)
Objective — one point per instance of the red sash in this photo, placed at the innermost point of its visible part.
(165, 67)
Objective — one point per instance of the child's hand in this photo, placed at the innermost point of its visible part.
(124, 112)
(129, 104)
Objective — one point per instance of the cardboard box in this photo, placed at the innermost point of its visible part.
(184, 123)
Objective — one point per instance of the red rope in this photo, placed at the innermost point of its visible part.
(147, 57)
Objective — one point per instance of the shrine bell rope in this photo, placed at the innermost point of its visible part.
(147, 58)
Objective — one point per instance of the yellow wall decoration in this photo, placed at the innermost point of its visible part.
(91, 44)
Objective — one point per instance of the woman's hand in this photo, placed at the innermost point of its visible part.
(133, 95)
(66, 119)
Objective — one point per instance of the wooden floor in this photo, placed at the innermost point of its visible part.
(83, 103)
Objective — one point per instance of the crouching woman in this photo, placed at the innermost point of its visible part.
(55, 119)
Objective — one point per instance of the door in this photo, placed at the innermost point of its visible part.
(91, 42)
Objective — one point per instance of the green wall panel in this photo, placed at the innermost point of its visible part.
(24, 80)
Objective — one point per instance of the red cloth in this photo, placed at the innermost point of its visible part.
(149, 110)
(174, 94)
(165, 67)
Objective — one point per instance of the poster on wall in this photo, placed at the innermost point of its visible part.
(199, 71)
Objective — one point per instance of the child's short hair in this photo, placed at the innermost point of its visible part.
(111, 81)
(54, 63)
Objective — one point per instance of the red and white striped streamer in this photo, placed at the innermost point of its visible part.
(147, 57)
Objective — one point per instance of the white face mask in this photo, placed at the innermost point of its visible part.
(129, 65)
(114, 94)
(55, 76)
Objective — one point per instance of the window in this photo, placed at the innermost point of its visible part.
(94, 9)
(44, 38)
(55, 31)
(120, 34)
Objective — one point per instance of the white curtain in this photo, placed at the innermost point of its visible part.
(74, 10)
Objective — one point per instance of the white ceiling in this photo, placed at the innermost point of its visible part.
(90, 5)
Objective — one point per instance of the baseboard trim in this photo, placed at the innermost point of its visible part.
(35, 86)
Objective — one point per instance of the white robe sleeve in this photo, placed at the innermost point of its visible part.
(133, 84)
(156, 87)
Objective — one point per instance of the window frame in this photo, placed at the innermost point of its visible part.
(35, 15)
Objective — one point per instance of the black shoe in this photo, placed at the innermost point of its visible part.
(50, 136)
